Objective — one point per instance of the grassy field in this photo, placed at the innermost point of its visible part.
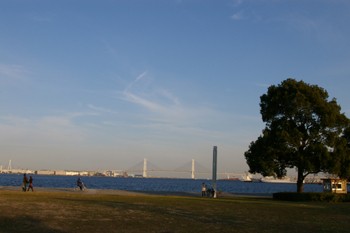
(54, 211)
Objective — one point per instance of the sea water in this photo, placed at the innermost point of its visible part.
(156, 184)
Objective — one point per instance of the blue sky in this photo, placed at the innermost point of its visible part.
(103, 84)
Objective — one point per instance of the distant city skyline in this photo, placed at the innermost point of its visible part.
(98, 85)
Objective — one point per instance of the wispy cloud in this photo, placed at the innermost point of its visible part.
(137, 79)
(238, 16)
(13, 72)
(320, 30)
(237, 3)
(169, 118)
(152, 106)
(157, 100)
(98, 110)
(174, 99)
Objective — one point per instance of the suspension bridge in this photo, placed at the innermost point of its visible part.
(144, 168)
(191, 169)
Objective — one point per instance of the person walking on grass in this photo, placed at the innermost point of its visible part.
(30, 184)
(24, 183)
(204, 189)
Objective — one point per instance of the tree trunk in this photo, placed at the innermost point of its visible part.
(300, 181)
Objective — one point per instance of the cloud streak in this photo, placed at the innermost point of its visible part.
(149, 105)
(237, 3)
(167, 116)
(153, 100)
(138, 78)
(12, 72)
(238, 16)
(157, 115)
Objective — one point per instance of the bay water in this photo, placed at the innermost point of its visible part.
(156, 184)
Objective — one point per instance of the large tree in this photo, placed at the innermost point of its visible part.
(302, 130)
(340, 160)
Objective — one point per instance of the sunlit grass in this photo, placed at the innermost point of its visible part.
(83, 212)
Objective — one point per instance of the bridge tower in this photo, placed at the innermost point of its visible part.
(9, 167)
(144, 174)
(192, 170)
(215, 158)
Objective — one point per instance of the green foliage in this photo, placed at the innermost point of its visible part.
(304, 197)
(340, 159)
(302, 131)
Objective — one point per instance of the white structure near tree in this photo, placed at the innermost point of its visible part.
(332, 185)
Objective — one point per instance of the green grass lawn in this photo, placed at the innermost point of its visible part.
(81, 212)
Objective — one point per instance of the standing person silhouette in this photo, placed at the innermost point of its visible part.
(30, 184)
(204, 189)
(25, 181)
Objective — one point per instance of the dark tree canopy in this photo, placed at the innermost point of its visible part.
(302, 129)
(340, 161)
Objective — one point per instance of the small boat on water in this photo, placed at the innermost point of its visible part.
(247, 177)
(271, 179)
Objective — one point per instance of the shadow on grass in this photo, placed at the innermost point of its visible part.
(23, 224)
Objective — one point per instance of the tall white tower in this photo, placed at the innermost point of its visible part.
(192, 170)
(144, 168)
(9, 167)
(215, 159)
